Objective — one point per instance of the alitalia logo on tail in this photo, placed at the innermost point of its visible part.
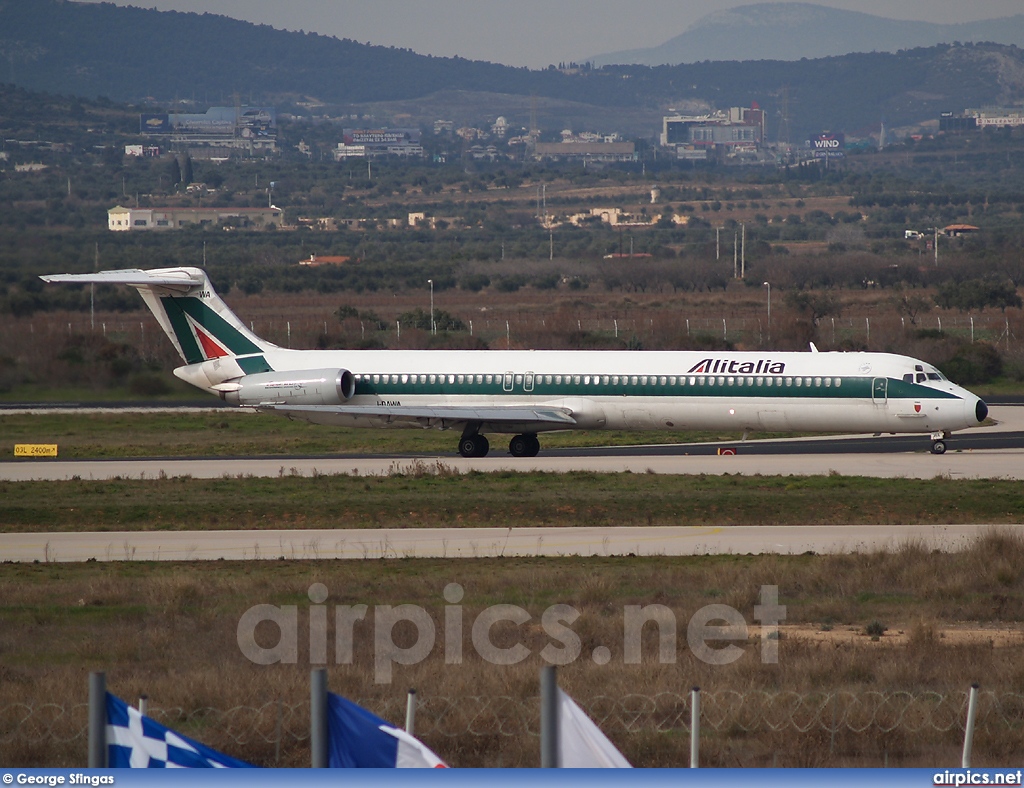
(714, 366)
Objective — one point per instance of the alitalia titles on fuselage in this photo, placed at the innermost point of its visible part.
(713, 366)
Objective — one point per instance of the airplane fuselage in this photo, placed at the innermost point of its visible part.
(645, 390)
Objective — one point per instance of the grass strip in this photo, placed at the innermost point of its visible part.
(242, 433)
(503, 499)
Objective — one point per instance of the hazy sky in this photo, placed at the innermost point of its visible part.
(533, 32)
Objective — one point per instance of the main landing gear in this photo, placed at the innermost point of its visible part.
(939, 442)
(476, 445)
(473, 446)
(524, 446)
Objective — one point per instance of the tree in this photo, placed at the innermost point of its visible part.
(910, 305)
(978, 294)
(815, 305)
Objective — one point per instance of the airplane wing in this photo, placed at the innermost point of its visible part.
(130, 276)
(518, 414)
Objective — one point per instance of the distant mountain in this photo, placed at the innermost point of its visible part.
(131, 54)
(791, 31)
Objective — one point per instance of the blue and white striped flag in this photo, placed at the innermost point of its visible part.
(137, 742)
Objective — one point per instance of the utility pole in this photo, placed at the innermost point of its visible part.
(743, 251)
(432, 326)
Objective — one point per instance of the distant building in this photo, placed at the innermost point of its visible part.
(741, 128)
(958, 230)
(988, 117)
(147, 151)
(384, 142)
(588, 151)
(325, 259)
(230, 129)
(121, 219)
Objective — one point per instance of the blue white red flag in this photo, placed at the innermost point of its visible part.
(360, 739)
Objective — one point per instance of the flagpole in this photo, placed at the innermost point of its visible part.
(694, 727)
(549, 755)
(318, 718)
(410, 712)
(98, 720)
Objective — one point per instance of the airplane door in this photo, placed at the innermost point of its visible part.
(507, 382)
(879, 390)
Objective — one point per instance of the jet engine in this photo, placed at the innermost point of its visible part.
(303, 387)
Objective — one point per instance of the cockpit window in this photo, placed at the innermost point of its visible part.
(934, 376)
(921, 377)
(909, 377)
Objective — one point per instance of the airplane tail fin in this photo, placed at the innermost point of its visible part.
(190, 312)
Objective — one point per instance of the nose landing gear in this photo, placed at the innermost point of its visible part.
(939, 442)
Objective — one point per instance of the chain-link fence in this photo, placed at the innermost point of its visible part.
(858, 728)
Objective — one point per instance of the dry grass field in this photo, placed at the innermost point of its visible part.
(836, 697)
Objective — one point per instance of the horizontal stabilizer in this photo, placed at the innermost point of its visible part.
(136, 277)
(517, 414)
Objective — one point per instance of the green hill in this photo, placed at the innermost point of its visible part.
(132, 54)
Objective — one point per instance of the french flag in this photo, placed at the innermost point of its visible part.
(359, 739)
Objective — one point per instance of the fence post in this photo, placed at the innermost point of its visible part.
(694, 727)
(318, 718)
(97, 720)
(144, 705)
(972, 713)
(549, 755)
(410, 712)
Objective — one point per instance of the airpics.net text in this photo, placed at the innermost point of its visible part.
(712, 632)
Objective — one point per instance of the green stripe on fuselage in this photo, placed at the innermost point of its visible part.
(850, 388)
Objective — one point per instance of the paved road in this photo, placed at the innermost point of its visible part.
(480, 542)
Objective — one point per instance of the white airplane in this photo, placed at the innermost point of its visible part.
(526, 392)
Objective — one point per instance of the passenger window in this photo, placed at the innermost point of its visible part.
(839, 382)
(405, 378)
(558, 380)
(547, 380)
(817, 383)
(721, 381)
(828, 382)
(576, 380)
(376, 378)
(760, 381)
(633, 380)
(519, 380)
(489, 379)
(731, 381)
(694, 380)
(672, 380)
(789, 382)
(643, 380)
(662, 380)
(605, 380)
(451, 378)
(799, 381)
(701, 381)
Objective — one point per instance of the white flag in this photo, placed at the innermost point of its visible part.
(581, 743)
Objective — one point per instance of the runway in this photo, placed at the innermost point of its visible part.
(990, 452)
(379, 543)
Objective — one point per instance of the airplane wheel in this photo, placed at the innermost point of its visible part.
(474, 446)
(520, 446)
(534, 445)
(939, 447)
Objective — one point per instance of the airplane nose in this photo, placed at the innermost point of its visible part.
(981, 411)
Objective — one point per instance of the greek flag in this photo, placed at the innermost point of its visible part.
(137, 742)
(360, 739)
